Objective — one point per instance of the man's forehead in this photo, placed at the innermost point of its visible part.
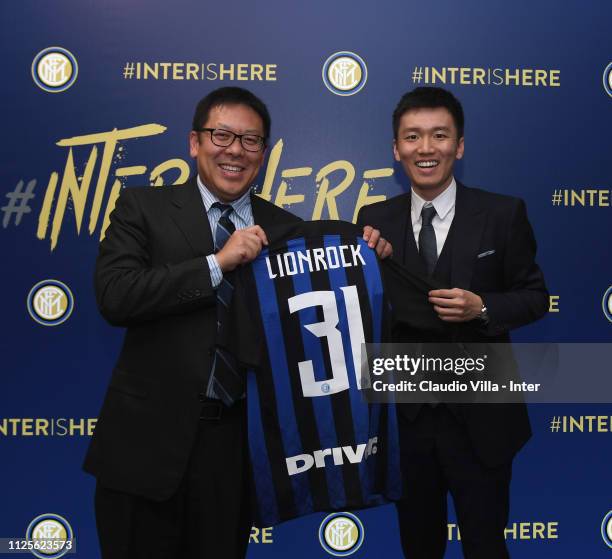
(238, 113)
(434, 117)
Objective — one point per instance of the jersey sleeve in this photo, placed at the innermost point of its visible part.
(407, 295)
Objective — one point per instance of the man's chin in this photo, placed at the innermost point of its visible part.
(430, 191)
(231, 192)
(427, 187)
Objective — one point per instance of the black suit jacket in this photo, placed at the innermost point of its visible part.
(152, 277)
(492, 254)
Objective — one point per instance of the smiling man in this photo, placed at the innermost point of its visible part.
(482, 245)
(169, 450)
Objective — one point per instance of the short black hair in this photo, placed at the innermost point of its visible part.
(429, 98)
(231, 96)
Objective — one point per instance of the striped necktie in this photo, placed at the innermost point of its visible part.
(225, 383)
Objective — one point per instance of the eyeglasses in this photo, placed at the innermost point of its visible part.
(225, 138)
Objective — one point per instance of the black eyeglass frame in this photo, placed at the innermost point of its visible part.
(261, 146)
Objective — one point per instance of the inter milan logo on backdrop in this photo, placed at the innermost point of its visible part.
(341, 534)
(345, 73)
(606, 303)
(54, 69)
(50, 302)
(607, 79)
(606, 529)
(51, 536)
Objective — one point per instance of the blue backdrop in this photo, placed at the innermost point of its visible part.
(538, 102)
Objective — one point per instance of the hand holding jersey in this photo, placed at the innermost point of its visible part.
(456, 305)
(242, 247)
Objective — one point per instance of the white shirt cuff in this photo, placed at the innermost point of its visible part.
(216, 275)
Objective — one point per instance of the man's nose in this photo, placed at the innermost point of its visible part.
(426, 144)
(235, 148)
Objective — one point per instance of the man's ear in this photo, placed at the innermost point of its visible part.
(460, 148)
(395, 152)
(194, 143)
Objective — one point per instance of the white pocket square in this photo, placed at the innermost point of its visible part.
(487, 253)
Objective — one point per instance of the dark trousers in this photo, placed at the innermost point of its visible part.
(208, 517)
(437, 457)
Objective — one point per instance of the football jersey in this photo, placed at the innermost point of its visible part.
(300, 312)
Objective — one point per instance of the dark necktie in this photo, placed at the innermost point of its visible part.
(225, 380)
(427, 239)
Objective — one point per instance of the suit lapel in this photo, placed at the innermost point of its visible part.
(399, 227)
(412, 258)
(468, 225)
(188, 212)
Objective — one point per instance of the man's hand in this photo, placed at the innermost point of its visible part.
(382, 246)
(242, 247)
(455, 305)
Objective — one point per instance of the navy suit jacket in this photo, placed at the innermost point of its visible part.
(492, 254)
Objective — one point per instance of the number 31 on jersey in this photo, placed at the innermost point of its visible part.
(328, 329)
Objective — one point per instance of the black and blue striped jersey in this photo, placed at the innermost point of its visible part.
(299, 315)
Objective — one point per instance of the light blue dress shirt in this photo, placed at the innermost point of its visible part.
(241, 217)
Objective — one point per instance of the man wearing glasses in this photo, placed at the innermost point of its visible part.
(169, 450)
